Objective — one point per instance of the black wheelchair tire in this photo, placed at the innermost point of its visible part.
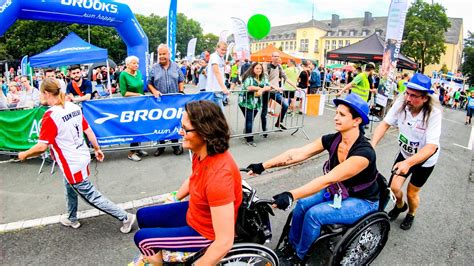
(250, 253)
(354, 235)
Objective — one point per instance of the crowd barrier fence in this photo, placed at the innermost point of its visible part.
(292, 121)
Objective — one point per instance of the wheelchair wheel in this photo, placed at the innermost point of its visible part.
(250, 254)
(364, 242)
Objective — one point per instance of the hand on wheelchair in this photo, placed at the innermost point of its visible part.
(255, 168)
(283, 201)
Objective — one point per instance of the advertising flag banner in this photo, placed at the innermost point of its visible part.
(223, 36)
(24, 66)
(171, 29)
(20, 128)
(393, 40)
(241, 37)
(138, 119)
(191, 49)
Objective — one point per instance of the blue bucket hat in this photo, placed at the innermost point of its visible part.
(358, 104)
(420, 82)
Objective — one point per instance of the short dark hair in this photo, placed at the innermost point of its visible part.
(49, 70)
(74, 67)
(209, 122)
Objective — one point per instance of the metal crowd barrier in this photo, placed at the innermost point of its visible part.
(293, 119)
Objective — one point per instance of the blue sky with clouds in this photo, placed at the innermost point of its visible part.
(214, 15)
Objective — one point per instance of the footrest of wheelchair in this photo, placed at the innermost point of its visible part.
(176, 256)
(334, 228)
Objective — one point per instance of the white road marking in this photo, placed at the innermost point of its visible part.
(469, 143)
(15, 226)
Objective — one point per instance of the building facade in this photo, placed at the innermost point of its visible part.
(314, 38)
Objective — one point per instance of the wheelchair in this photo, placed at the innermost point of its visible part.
(253, 230)
(356, 244)
(351, 244)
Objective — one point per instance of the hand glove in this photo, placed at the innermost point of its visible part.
(283, 201)
(257, 168)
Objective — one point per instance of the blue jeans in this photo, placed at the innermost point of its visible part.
(165, 227)
(276, 96)
(249, 115)
(314, 211)
(219, 99)
(91, 195)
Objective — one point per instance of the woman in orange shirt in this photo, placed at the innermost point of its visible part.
(214, 189)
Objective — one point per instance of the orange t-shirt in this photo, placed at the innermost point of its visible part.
(215, 181)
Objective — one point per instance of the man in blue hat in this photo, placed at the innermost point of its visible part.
(418, 118)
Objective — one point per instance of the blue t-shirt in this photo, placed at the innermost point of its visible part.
(85, 88)
(470, 102)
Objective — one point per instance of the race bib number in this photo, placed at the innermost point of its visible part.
(408, 146)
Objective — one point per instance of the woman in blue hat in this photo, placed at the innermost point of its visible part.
(345, 193)
(418, 118)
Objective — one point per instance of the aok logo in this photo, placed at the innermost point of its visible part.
(92, 4)
(143, 115)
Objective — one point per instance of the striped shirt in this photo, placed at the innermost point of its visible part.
(62, 129)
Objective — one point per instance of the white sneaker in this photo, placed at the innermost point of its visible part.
(142, 153)
(66, 222)
(128, 223)
(134, 157)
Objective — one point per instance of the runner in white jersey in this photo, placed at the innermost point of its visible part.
(418, 118)
(62, 130)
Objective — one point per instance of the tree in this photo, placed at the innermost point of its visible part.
(424, 32)
(444, 69)
(32, 37)
(468, 64)
(207, 43)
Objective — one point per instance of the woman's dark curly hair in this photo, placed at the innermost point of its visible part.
(209, 122)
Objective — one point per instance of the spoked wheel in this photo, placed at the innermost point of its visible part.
(363, 243)
(250, 254)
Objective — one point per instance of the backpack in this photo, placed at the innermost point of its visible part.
(269, 69)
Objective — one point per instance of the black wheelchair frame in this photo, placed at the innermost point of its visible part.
(356, 244)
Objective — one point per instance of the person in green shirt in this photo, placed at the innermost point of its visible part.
(250, 99)
(292, 75)
(457, 96)
(402, 83)
(360, 84)
(131, 84)
(234, 74)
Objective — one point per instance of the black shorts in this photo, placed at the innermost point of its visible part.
(289, 94)
(469, 111)
(419, 174)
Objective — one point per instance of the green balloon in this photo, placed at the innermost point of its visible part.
(258, 26)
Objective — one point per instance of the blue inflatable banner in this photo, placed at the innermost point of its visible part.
(90, 12)
(171, 29)
(138, 119)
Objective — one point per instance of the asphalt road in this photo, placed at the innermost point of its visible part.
(441, 235)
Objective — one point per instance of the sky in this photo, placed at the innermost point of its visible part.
(214, 15)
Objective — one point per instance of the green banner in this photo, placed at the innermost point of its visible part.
(19, 129)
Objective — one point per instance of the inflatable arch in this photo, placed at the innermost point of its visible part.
(92, 12)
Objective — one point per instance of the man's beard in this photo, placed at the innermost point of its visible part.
(77, 79)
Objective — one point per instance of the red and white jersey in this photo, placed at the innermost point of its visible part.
(62, 128)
